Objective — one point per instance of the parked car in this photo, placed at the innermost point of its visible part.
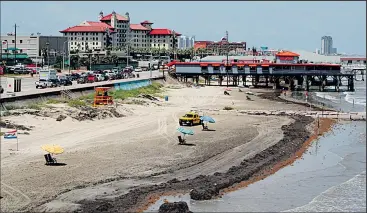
(65, 81)
(91, 78)
(100, 77)
(43, 83)
(55, 82)
(74, 76)
(19, 70)
(138, 69)
(81, 80)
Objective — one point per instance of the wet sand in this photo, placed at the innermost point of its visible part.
(329, 177)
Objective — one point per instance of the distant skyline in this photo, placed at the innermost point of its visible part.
(286, 25)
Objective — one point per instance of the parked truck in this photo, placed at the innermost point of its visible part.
(47, 78)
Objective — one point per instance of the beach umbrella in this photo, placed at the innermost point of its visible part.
(207, 119)
(53, 149)
(184, 131)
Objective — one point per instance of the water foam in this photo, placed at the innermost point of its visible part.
(350, 97)
(348, 196)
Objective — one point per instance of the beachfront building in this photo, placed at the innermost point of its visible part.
(221, 47)
(120, 24)
(90, 35)
(140, 34)
(32, 45)
(163, 38)
(286, 57)
(115, 30)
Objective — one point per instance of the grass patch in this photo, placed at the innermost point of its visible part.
(55, 101)
(77, 103)
(228, 108)
(36, 106)
(152, 89)
(136, 102)
(2, 133)
(87, 97)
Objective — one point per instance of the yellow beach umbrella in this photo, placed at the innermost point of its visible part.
(54, 149)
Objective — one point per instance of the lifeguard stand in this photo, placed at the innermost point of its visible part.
(101, 97)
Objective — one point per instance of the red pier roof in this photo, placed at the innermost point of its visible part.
(287, 54)
(250, 63)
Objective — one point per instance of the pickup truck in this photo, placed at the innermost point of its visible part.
(47, 78)
(190, 118)
(42, 83)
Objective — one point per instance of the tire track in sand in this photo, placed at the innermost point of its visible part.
(20, 199)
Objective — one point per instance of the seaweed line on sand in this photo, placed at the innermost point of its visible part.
(296, 137)
(275, 96)
(325, 125)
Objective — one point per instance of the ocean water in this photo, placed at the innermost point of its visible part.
(349, 101)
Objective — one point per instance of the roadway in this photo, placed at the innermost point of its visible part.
(28, 84)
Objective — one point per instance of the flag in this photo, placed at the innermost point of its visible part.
(11, 135)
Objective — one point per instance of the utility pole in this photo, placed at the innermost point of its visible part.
(15, 44)
(227, 57)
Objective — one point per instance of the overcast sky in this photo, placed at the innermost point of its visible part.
(288, 25)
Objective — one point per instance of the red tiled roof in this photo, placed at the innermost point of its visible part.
(287, 53)
(146, 22)
(77, 29)
(162, 32)
(118, 16)
(98, 24)
(138, 27)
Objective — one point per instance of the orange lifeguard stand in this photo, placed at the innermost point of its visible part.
(101, 97)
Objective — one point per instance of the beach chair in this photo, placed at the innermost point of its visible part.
(49, 159)
(181, 140)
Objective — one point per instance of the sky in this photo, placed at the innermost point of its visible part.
(285, 25)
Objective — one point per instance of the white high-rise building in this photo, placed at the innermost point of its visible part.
(327, 45)
(186, 42)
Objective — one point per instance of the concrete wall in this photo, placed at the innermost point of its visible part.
(132, 85)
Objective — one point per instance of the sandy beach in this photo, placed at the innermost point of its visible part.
(114, 154)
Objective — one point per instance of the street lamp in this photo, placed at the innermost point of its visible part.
(128, 52)
(7, 50)
(48, 55)
(63, 55)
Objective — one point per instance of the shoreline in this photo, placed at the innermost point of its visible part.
(140, 198)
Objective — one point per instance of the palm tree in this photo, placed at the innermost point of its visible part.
(115, 60)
